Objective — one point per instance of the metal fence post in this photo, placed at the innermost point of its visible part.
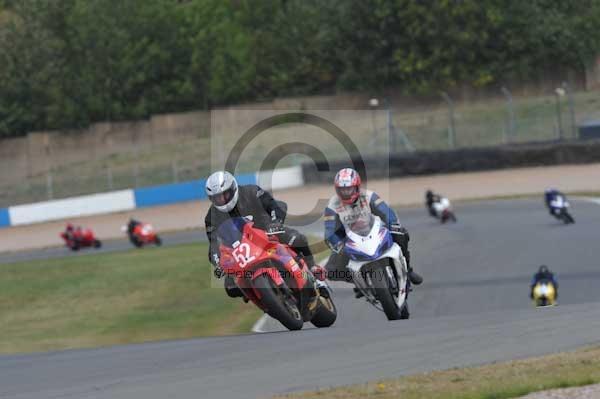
(396, 135)
(452, 124)
(559, 92)
(136, 174)
(511, 116)
(175, 170)
(571, 103)
(49, 185)
(390, 130)
(109, 178)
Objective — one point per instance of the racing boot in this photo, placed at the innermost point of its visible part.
(320, 273)
(358, 293)
(414, 277)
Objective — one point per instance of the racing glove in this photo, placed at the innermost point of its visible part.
(275, 228)
(399, 230)
(338, 247)
(218, 272)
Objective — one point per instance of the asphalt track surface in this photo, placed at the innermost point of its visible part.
(108, 246)
(472, 309)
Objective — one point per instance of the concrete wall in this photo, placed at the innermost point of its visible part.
(39, 151)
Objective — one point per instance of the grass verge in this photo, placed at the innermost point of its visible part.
(494, 381)
(106, 299)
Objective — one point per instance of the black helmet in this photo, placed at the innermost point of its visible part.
(543, 269)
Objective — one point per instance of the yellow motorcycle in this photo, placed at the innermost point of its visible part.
(544, 294)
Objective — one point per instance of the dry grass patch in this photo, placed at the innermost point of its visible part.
(493, 381)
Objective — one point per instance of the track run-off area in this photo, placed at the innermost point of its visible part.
(473, 308)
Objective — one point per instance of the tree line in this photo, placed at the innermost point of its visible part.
(68, 63)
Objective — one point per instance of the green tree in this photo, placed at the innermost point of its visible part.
(31, 63)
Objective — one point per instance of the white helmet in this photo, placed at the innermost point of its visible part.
(222, 190)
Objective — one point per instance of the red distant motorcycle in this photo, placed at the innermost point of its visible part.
(77, 238)
(271, 275)
(143, 234)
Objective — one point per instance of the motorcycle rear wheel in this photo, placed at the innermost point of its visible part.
(278, 305)
(326, 314)
(567, 218)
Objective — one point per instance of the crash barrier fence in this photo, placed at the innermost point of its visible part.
(177, 148)
(463, 160)
(125, 200)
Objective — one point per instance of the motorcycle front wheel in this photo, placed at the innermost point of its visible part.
(383, 291)
(278, 303)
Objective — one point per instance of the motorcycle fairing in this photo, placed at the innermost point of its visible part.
(365, 248)
(395, 254)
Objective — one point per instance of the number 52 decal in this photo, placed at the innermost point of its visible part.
(242, 254)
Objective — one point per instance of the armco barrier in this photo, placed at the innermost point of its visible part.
(72, 207)
(169, 194)
(4, 218)
(279, 179)
(178, 192)
(465, 160)
(131, 199)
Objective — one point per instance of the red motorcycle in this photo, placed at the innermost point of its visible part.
(271, 275)
(143, 234)
(76, 238)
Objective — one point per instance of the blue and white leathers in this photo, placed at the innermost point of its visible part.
(372, 243)
(558, 203)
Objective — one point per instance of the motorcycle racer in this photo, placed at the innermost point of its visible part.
(551, 195)
(430, 199)
(543, 274)
(72, 232)
(131, 225)
(350, 207)
(252, 202)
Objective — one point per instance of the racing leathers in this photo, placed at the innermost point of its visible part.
(544, 275)
(266, 213)
(340, 217)
(131, 225)
(552, 196)
(430, 200)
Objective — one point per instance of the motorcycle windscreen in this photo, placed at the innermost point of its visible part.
(231, 231)
(380, 242)
(363, 225)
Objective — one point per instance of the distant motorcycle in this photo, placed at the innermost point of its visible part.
(443, 210)
(143, 234)
(559, 208)
(378, 268)
(544, 293)
(80, 238)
